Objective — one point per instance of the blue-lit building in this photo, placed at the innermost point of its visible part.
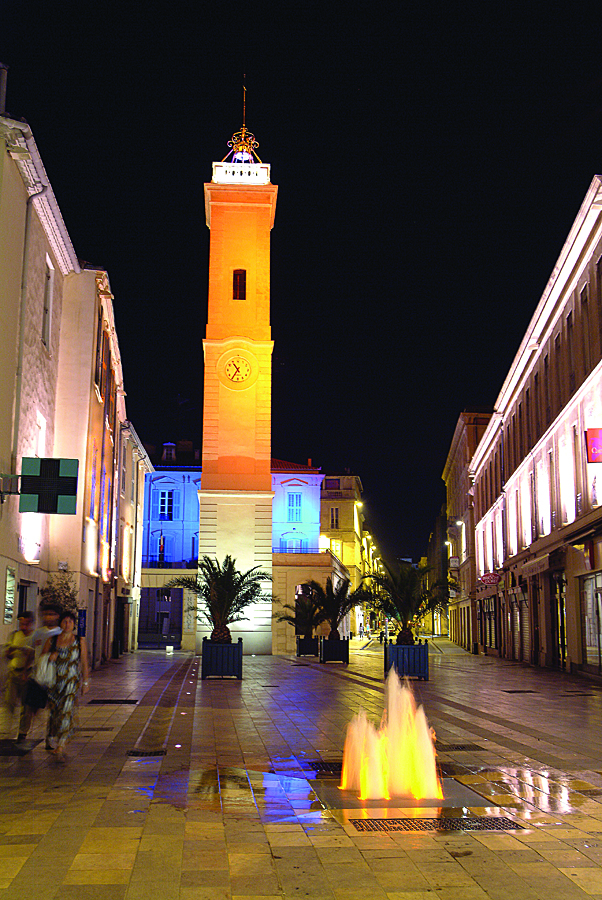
(295, 508)
(170, 543)
(171, 536)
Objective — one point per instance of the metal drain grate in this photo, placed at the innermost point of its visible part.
(146, 753)
(100, 728)
(575, 694)
(440, 823)
(104, 702)
(520, 691)
(322, 767)
(447, 748)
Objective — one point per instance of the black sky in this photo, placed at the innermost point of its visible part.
(430, 159)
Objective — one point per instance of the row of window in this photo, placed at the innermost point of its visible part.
(547, 496)
(570, 355)
(166, 506)
(104, 376)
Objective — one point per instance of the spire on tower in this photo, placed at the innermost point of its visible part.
(243, 143)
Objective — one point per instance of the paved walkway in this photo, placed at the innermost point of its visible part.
(231, 809)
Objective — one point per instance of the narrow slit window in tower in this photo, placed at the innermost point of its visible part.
(239, 285)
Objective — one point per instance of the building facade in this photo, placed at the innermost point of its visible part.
(61, 396)
(170, 548)
(171, 540)
(462, 609)
(536, 473)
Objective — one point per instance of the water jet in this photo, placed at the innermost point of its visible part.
(398, 758)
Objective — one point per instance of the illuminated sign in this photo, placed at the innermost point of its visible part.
(48, 486)
(490, 578)
(593, 440)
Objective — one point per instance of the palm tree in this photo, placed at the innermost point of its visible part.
(306, 614)
(224, 593)
(334, 603)
(405, 595)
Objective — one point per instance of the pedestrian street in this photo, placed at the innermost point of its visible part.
(182, 789)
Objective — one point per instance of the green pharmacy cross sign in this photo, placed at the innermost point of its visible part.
(48, 485)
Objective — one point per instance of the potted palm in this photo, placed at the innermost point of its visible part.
(306, 615)
(406, 596)
(334, 604)
(223, 593)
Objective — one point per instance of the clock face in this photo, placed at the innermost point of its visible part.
(237, 369)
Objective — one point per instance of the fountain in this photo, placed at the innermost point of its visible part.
(398, 758)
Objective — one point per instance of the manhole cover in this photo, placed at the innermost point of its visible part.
(322, 767)
(104, 702)
(447, 748)
(439, 823)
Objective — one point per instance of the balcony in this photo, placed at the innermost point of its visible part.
(155, 562)
(308, 549)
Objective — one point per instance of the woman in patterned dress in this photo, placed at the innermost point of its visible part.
(71, 657)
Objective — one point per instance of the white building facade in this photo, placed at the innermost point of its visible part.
(537, 481)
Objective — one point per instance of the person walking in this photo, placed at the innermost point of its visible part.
(69, 653)
(50, 615)
(19, 654)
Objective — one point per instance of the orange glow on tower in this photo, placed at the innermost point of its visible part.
(236, 485)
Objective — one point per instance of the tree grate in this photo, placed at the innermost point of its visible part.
(447, 748)
(322, 767)
(439, 823)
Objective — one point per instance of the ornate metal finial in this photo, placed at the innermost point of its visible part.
(243, 143)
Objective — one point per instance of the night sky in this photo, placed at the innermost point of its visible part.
(430, 158)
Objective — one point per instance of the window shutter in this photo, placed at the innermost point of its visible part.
(176, 505)
(155, 505)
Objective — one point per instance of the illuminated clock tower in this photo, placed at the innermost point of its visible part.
(236, 496)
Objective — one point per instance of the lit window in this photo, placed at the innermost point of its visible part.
(48, 294)
(566, 473)
(98, 363)
(124, 467)
(239, 284)
(166, 506)
(294, 507)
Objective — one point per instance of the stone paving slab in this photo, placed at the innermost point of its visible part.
(228, 810)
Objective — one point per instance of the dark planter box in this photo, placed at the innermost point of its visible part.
(221, 660)
(411, 660)
(307, 646)
(334, 651)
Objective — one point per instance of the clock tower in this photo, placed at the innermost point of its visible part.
(236, 496)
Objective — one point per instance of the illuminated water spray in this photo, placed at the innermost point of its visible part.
(398, 758)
